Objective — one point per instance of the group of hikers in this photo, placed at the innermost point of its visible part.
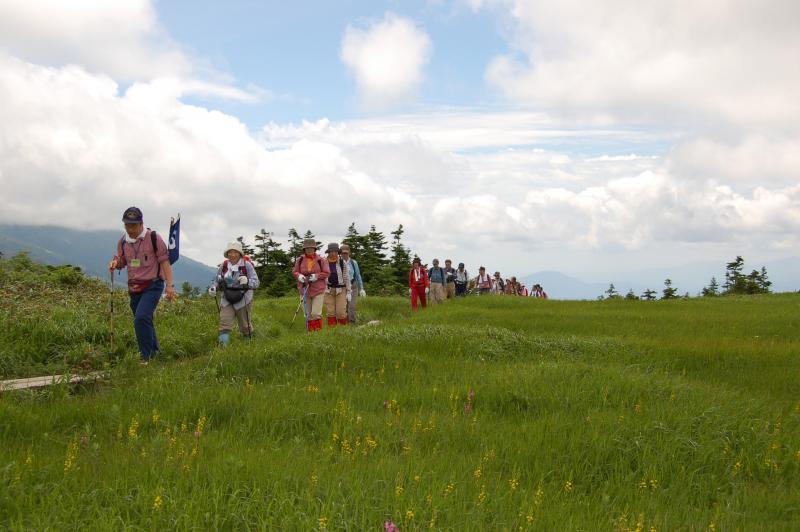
(332, 281)
(448, 282)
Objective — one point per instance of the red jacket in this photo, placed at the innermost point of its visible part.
(306, 266)
(420, 279)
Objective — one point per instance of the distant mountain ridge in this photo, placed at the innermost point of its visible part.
(691, 278)
(90, 249)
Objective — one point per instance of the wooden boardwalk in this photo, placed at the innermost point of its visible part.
(47, 380)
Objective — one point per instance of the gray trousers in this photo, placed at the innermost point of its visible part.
(351, 305)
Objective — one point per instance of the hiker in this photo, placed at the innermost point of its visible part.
(418, 284)
(311, 272)
(512, 287)
(498, 286)
(523, 290)
(236, 278)
(462, 280)
(438, 283)
(145, 256)
(538, 292)
(338, 293)
(450, 272)
(356, 283)
(483, 283)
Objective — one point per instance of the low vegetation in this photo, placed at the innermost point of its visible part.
(491, 413)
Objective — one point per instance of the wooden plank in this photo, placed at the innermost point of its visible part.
(47, 380)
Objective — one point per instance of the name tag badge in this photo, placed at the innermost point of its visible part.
(135, 263)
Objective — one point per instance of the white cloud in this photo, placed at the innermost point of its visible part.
(683, 62)
(123, 40)
(386, 59)
(74, 151)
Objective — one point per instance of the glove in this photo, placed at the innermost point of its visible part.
(212, 290)
(243, 280)
(409, 291)
(427, 289)
(312, 277)
(349, 296)
(362, 293)
(301, 278)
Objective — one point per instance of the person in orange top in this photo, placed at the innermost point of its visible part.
(311, 272)
(418, 284)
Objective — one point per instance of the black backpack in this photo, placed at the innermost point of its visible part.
(234, 294)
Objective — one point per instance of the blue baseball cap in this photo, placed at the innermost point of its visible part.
(132, 215)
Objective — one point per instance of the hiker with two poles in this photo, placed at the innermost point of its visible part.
(311, 271)
(145, 256)
(236, 279)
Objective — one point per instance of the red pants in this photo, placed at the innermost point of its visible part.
(418, 292)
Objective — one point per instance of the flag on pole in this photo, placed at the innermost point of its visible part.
(174, 239)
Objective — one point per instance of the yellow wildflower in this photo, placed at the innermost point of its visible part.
(133, 428)
(513, 484)
(323, 523)
(157, 503)
(568, 486)
(409, 515)
(477, 473)
(398, 490)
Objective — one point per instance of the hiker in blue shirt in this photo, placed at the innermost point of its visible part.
(356, 282)
(438, 279)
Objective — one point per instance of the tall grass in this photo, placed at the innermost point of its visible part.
(480, 414)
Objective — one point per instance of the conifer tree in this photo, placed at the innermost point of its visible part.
(611, 293)
(649, 295)
(669, 292)
(712, 289)
(630, 296)
(400, 261)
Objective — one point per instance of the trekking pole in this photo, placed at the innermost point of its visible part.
(247, 317)
(301, 303)
(111, 274)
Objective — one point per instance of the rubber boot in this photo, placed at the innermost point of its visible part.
(342, 321)
(318, 324)
(331, 321)
(224, 338)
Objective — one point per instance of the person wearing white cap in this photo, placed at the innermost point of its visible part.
(236, 278)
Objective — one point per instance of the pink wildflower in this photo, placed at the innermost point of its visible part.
(467, 408)
(389, 526)
(471, 395)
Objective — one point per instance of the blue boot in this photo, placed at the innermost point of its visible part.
(224, 338)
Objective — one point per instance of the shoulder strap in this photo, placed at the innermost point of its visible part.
(155, 251)
(122, 247)
(224, 266)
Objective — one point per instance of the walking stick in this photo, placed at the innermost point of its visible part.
(301, 303)
(247, 317)
(111, 274)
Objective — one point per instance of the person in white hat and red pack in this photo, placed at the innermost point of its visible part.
(236, 279)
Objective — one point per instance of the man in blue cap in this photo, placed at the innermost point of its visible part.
(146, 257)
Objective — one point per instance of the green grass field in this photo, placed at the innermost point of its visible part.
(481, 414)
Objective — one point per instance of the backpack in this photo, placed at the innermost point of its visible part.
(234, 294)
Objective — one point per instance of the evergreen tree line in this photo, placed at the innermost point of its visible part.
(384, 263)
(736, 283)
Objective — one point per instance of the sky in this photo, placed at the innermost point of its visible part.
(590, 138)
